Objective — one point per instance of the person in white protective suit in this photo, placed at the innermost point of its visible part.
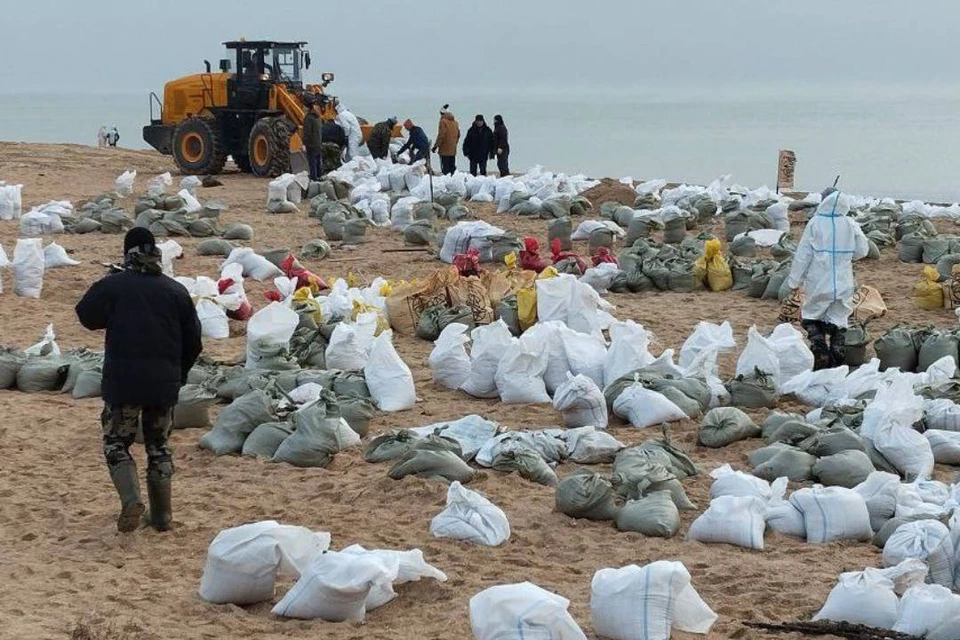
(351, 126)
(823, 267)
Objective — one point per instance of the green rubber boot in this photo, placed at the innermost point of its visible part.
(160, 515)
(127, 484)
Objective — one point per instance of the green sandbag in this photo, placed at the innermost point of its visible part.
(435, 319)
(726, 425)
(560, 228)
(215, 247)
(777, 279)
(391, 445)
(87, 225)
(238, 231)
(758, 456)
(419, 234)
(857, 341)
(637, 282)
(193, 407)
(935, 248)
(654, 515)
(88, 384)
(945, 265)
(527, 462)
(333, 225)
(584, 494)
(910, 248)
(693, 389)
(940, 344)
(115, 221)
(879, 461)
(794, 464)
(844, 469)
(756, 391)
(427, 463)
(600, 238)
(459, 212)
(633, 481)
(641, 226)
(891, 525)
(148, 217)
(350, 382)
(355, 231)
(735, 224)
(773, 421)
(742, 275)
(897, 348)
(507, 311)
(674, 459)
(743, 247)
(675, 230)
(428, 211)
(42, 373)
(623, 216)
(833, 441)
(315, 250)
(357, 411)
(680, 279)
(793, 432)
(608, 208)
(202, 228)
(758, 284)
(236, 421)
(264, 441)
(10, 363)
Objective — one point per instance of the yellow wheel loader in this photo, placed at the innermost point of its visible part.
(251, 110)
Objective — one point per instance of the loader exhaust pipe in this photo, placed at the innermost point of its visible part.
(207, 63)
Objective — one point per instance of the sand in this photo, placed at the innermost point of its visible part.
(65, 568)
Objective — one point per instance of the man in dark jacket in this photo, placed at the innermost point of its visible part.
(478, 146)
(379, 141)
(417, 142)
(501, 142)
(152, 342)
(313, 139)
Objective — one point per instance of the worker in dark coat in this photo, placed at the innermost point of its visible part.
(153, 340)
(313, 139)
(379, 141)
(501, 143)
(478, 146)
(417, 142)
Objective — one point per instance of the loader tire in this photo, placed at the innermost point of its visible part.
(197, 147)
(269, 147)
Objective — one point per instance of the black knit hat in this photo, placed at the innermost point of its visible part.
(138, 237)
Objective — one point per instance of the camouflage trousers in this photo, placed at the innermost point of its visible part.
(120, 426)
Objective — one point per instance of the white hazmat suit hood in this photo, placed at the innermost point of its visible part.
(822, 263)
(351, 126)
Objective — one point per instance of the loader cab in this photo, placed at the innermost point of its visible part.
(269, 62)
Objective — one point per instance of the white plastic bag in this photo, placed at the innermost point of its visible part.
(706, 336)
(945, 445)
(581, 403)
(470, 517)
(411, 567)
(47, 346)
(643, 407)
(629, 350)
(56, 256)
(277, 194)
(733, 520)
(388, 377)
(28, 265)
(449, 362)
(335, 587)
(879, 491)
(254, 265)
(727, 482)
(269, 329)
(11, 201)
(350, 344)
(760, 354)
(123, 185)
(929, 611)
(927, 540)
(833, 513)
(156, 186)
(188, 183)
(814, 388)
(242, 562)
(490, 343)
(781, 515)
(191, 204)
(792, 352)
(521, 610)
(667, 596)
(566, 299)
(170, 250)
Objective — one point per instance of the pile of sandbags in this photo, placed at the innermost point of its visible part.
(43, 367)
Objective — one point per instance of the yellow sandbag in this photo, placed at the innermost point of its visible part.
(712, 269)
(527, 307)
(363, 307)
(305, 302)
(928, 293)
(510, 260)
(549, 272)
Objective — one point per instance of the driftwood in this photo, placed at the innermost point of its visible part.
(828, 628)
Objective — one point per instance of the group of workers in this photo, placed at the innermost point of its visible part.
(480, 145)
(107, 137)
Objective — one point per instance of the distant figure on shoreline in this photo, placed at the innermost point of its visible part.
(417, 142)
(448, 136)
(501, 142)
(102, 137)
(478, 146)
(113, 136)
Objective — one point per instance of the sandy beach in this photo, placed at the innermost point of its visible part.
(64, 567)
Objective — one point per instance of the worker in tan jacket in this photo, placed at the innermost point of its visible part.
(448, 136)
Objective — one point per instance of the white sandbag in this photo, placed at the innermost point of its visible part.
(388, 377)
(269, 329)
(923, 497)
(759, 354)
(471, 432)
(588, 445)
(350, 343)
(278, 192)
(43, 220)
(643, 407)
(123, 185)
(869, 597)
(188, 183)
(727, 482)
(46, 346)
(411, 568)
(906, 449)
(704, 337)
(191, 204)
(781, 515)
(792, 352)
(471, 234)
(629, 350)
(490, 343)
(521, 610)
(668, 599)
(927, 540)
(170, 250)
(545, 338)
(254, 265)
(28, 265)
(879, 491)
(833, 513)
(585, 354)
(814, 388)
(929, 611)
(448, 361)
(587, 227)
(242, 562)
(945, 445)
(11, 201)
(567, 300)
(401, 214)
(895, 403)
(335, 587)
(56, 256)
(156, 186)
(470, 517)
(780, 215)
(941, 414)
(733, 520)
(581, 403)
(600, 277)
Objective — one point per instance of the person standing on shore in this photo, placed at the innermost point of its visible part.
(478, 146)
(113, 136)
(501, 142)
(448, 136)
(417, 142)
(153, 340)
(379, 141)
(351, 126)
(102, 137)
(823, 267)
(313, 139)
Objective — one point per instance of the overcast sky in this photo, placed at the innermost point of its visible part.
(133, 46)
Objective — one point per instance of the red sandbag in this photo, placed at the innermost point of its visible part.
(603, 255)
(530, 259)
(559, 255)
(468, 264)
